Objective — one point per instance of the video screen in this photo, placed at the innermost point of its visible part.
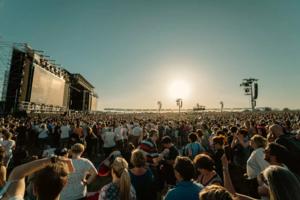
(47, 88)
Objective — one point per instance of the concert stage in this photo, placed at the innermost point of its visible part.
(37, 84)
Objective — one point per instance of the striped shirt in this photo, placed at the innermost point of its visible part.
(150, 150)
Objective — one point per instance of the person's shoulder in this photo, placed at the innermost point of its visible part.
(107, 186)
(104, 190)
(197, 186)
(149, 173)
(171, 194)
(85, 161)
(283, 139)
(189, 145)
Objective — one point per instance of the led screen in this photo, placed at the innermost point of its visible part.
(47, 88)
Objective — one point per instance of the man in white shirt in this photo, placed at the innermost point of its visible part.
(65, 134)
(256, 162)
(109, 140)
(43, 136)
(136, 134)
(76, 187)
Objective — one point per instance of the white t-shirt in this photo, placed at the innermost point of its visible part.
(65, 131)
(108, 139)
(121, 133)
(137, 131)
(74, 188)
(118, 132)
(129, 127)
(256, 163)
(124, 132)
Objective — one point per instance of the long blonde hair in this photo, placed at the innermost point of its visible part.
(120, 169)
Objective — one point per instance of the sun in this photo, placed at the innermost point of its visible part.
(179, 89)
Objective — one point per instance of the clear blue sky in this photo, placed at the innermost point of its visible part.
(132, 51)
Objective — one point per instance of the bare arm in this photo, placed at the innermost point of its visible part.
(228, 183)
(93, 174)
(227, 180)
(244, 197)
(2, 176)
(17, 176)
(29, 168)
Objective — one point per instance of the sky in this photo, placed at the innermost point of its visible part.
(135, 51)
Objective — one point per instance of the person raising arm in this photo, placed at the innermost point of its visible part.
(48, 172)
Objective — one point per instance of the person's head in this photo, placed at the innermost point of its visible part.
(215, 192)
(193, 137)
(153, 134)
(62, 152)
(199, 132)
(220, 133)
(276, 153)
(204, 163)
(54, 176)
(282, 183)
(218, 142)
(166, 142)
(138, 158)
(258, 141)
(276, 130)
(77, 149)
(7, 135)
(119, 171)
(184, 168)
(242, 132)
(233, 129)
(261, 130)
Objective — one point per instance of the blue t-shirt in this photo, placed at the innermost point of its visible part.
(184, 190)
(195, 148)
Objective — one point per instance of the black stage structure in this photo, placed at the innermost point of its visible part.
(37, 84)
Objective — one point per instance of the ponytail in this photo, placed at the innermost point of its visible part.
(125, 185)
(120, 168)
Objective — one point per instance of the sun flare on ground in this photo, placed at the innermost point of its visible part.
(179, 89)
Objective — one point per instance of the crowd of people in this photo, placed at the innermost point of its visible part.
(194, 156)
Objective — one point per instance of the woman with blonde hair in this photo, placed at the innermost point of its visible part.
(256, 162)
(120, 188)
(141, 176)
